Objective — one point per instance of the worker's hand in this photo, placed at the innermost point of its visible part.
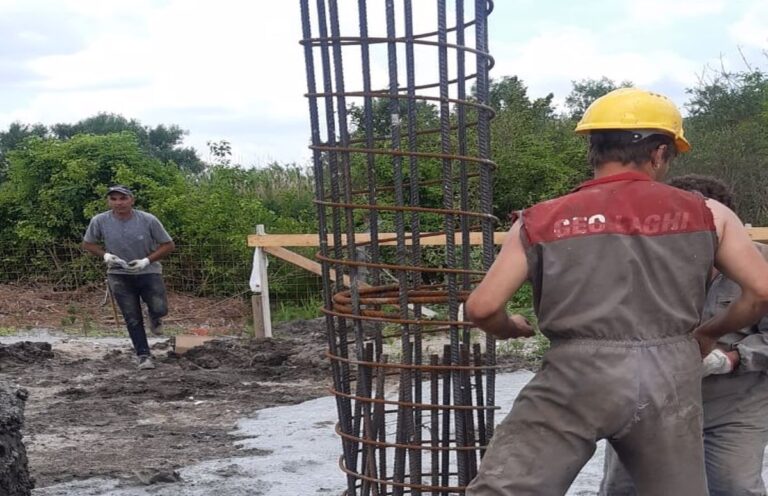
(706, 343)
(519, 327)
(138, 264)
(717, 362)
(112, 260)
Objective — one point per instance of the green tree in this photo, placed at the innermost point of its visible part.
(586, 91)
(423, 118)
(52, 189)
(509, 95)
(537, 153)
(161, 142)
(728, 128)
(13, 137)
(53, 185)
(221, 151)
(210, 217)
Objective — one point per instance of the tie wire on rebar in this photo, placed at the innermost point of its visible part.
(414, 390)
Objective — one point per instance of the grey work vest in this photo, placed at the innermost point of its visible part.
(620, 258)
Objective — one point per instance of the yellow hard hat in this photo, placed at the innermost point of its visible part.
(635, 109)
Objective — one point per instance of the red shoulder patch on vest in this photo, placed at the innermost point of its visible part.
(641, 208)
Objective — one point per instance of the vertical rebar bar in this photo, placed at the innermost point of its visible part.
(337, 368)
(434, 425)
(484, 151)
(400, 152)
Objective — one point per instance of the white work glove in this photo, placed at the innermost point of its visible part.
(138, 264)
(716, 362)
(112, 260)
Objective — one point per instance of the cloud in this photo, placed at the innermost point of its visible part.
(752, 27)
(235, 70)
(159, 59)
(665, 12)
(200, 65)
(549, 62)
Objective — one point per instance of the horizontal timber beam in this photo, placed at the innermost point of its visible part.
(475, 238)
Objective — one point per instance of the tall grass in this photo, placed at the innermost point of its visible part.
(297, 310)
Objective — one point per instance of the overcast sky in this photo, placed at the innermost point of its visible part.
(233, 69)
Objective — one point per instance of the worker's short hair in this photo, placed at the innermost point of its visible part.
(709, 186)
(626, 147)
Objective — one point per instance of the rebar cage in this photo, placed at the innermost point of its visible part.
(398, 106)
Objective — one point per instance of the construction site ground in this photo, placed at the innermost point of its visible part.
(92, 415)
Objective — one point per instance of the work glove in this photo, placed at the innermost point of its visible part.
(138, 264)
(112, 260)
(716, 362)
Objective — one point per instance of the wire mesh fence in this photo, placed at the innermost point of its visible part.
(57, 284)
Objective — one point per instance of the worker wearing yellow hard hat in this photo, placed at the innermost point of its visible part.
(619, 270)
(633, 109)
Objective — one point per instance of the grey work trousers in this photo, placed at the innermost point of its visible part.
(645, 396)
(735, 437)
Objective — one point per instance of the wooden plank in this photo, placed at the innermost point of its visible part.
(184, 342)
(305, 263)
(316, 268)
(308, 240)
(759, 234)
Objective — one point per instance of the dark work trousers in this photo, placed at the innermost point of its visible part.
(129, 292)
(735, 437)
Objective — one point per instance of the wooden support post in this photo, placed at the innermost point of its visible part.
(258, 316)
(259, 283)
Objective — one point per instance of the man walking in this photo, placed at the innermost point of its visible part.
(133, 243)
(619, 270)
(734, 389)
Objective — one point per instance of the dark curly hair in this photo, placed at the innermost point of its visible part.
(709, 186)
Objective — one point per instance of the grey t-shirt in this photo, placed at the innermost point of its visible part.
(130, 239)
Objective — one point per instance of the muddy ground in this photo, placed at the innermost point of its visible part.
(87, 311)
(91, 413)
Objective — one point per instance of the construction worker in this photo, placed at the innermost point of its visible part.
(734, 389)
(134, 242)
(619, 269)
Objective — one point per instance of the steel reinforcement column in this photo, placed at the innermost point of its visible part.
(398, 107)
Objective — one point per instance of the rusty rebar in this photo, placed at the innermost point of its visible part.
(410, 154)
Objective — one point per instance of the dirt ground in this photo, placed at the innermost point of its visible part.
(91, 413)
(87, 310)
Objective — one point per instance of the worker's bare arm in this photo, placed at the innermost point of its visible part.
(94, 248)
(162, 251)
(740, 261)
(486, 306)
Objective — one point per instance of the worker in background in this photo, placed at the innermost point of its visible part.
(133, 244)
(734, 389)
(619, 270)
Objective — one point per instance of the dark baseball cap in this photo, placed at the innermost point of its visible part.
(119, 189)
